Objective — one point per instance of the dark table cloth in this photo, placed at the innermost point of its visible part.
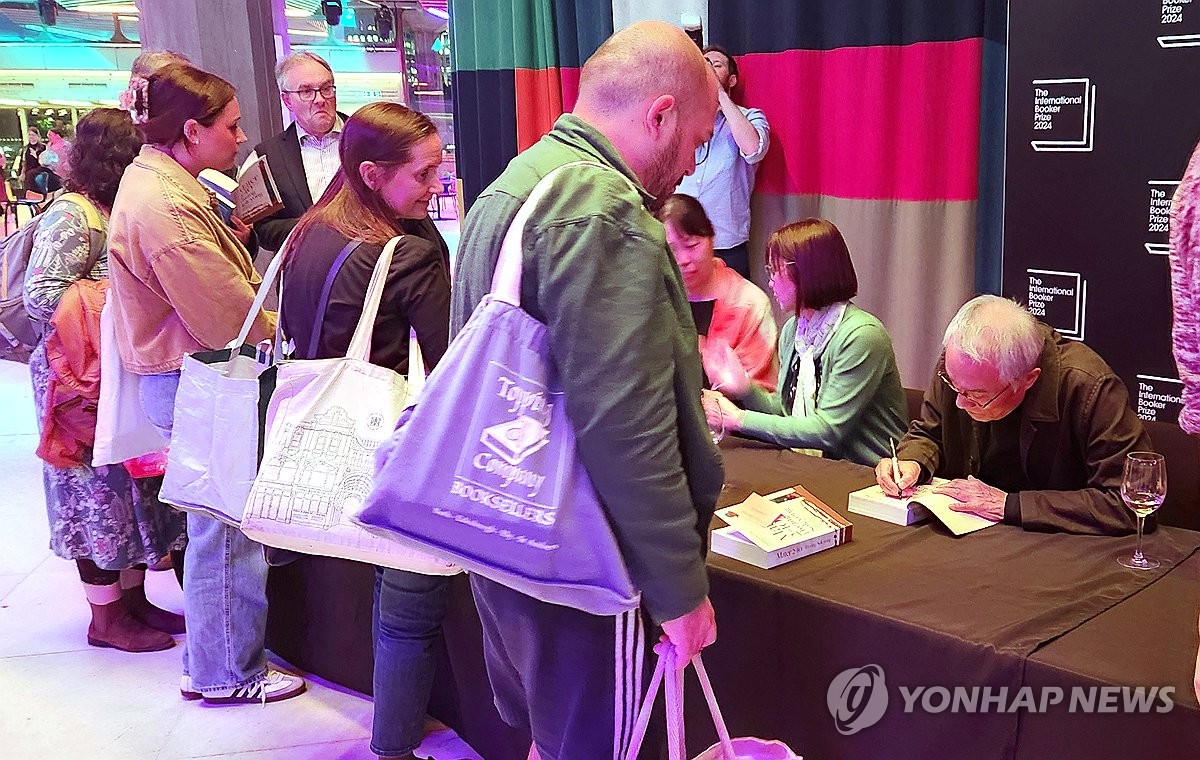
(995, 609)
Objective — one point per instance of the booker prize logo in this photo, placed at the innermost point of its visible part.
(857, 698)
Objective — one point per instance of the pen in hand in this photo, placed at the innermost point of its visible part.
(896, 468)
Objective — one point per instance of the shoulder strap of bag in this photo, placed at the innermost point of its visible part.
(96, 231)
(261, 297)
(90, 212)
(506, 280)
(323, 302)
(360, 344)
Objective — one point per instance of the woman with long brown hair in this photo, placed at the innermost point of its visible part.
(182, 282)
(389, 160)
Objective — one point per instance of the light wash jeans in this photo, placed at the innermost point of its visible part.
(407, 623)
(224, 580)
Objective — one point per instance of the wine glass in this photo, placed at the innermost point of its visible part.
(712, 411)
(1143, 488)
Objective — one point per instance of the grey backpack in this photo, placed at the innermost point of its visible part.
(18, 334)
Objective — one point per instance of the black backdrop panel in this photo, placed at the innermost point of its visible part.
(1103, 113)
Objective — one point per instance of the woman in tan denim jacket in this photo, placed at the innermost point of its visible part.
(182, 281)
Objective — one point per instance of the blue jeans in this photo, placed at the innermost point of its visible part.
(407, 624)
(224, 580)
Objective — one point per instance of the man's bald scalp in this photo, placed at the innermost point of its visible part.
(639, 63)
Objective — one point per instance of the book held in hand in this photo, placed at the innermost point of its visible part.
(873, 502)
(767, 531)
(256, 195)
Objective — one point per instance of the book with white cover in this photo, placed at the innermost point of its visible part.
(767, 531)
(873, 502)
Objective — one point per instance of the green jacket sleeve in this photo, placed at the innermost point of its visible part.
(602, 289)
(859, 364)
(764, 401)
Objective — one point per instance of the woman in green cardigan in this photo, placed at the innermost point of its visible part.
(839, 390)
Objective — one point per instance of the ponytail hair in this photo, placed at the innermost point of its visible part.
(164, 101)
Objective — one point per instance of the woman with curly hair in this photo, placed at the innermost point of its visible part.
(109, 523)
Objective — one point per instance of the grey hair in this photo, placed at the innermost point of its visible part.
(291, 59)
(998, 332)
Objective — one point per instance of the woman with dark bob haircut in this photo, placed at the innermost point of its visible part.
(182, 282)
(839, 389)
(109, 523)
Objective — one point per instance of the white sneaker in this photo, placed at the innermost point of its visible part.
(274, 686)
(186, 690)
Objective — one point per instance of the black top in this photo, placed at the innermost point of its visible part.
(417, 295)
(1000, 458)
(29, 163)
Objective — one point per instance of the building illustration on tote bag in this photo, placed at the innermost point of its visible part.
(323, 469)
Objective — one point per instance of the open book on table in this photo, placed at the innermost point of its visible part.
(873, 502)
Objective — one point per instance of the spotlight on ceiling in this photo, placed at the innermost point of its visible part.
(332, 10)
(385, 22)
(48, 12)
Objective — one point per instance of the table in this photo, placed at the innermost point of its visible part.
(934, 610)
(1140, 642)
(1001, 608)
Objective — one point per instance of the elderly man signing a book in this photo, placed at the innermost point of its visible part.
(1030, 427)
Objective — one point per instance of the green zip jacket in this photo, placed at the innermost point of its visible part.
(860, 404)
(598, 273)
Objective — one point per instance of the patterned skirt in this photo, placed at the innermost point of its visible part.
(101, 513)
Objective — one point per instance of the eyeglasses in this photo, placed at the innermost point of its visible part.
(702, 152)
(972, 396)
(772, 270)
(308, 95)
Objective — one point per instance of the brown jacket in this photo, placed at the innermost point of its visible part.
(1076, 427)
(181, 281)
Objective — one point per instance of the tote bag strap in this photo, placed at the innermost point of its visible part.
(323, 303)
(360, 344)
(96, 230)
(665, 670)
(506, 280)
(261, 297)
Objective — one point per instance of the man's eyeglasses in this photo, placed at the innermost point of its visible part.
(972, 396)
(702, 152)
(308, 95)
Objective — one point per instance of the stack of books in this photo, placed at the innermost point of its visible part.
(768, 531)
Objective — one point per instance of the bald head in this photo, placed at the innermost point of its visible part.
(640, 63)
(651, 93)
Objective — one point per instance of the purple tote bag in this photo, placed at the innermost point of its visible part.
(483, 469)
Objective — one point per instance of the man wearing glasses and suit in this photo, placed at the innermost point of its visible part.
(726, 164)
(1032, 428)
(304, 157)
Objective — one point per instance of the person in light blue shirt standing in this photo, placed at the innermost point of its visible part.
(726, 164)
